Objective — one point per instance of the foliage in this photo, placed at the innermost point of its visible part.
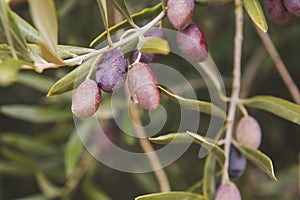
(41, 150)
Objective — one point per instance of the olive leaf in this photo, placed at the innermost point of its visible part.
(9, 69)
(256, 13)
(209, 177)
(30, 34)
(171, 196)
(147, 13)
(258, 158)
(47, 187)
(277, 106)
(44, 17)
(200, 106)
(150, 45)
(35, 114)
(67, 82)
(213, 2)
(12, 32)
(122, 7)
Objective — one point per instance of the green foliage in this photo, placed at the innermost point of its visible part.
(171, 196)
(256, 13)
(153, 45)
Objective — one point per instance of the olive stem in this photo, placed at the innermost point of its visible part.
(79, 59)
(235, 85)
(284, 73)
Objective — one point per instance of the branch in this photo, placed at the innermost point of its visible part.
(148, 149)
(79, 59)
(284, 73)
(236, 83)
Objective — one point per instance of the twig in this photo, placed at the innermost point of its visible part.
(148, 149)
(80, 170)
(235, 85)
(79, 59)
(284, 73)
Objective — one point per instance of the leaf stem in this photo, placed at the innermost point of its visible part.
(79, 59)
(235, 85)
(284, 73)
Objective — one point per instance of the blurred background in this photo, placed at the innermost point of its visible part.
(40, 152)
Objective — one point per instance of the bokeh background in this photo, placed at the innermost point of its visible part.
(40, 150)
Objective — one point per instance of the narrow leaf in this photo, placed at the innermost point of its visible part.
(9, 70)
(44, 17)
(200, 106)
(213, 2)
(67, 82)
(256, 13)
(28, 144)
(103, 9)
(259, 159)
(38, 82)
(209, 177)
(147, 13)
(188, 137)
(122, 7)
(154, 45)
(216, 150)
(11, 168)
(171, 196)
(35, 114)
(30, 34)
(277, 106)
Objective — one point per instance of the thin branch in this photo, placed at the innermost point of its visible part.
(235, 85)
(284, 73)
(79, 59)
(148, 149)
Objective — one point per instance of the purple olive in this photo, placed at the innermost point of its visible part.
(293, 6)
(237, 163)
(277, 13)
(143, 86)
(86, 99)
(192, 43)
(180, 13)
(248, 132)
(111, 70)
(153, 57)
(228, 191)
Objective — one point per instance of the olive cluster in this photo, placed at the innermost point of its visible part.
(280, 11)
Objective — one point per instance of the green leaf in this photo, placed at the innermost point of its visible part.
(30, 34)
(216, 150)
(9, 70)
(147, 13)
(277, 106)
(259, 159)
(36, 81)
(122, 7)
(200, 106)
(44, 17)
(188, 137)
(213, 2)
(209, 177)
(35, 114)
(27, 144)
(67, 82)
(211, 70)
(103, 9)
(171, 196)
(10, 168)
(92, 191)
(256, 13)
(64, 51)
(13, 35)
(154, 45)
